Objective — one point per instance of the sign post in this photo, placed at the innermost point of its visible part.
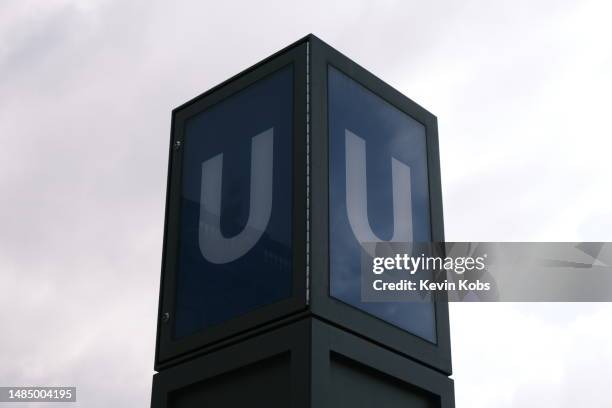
(276, 179)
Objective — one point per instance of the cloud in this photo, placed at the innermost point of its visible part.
(86, 90)
(531, 354)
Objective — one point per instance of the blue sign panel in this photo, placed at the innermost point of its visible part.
(378, 186)
(235, 247)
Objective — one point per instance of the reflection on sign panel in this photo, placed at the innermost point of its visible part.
(236, 202)
(378, 186)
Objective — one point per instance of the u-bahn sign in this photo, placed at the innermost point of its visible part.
(276, 178)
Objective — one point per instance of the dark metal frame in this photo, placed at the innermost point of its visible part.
(435, 355)
(167, 347)
(311, 345)
(290, 339)
(328, 340)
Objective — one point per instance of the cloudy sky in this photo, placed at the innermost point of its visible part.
(522, 92)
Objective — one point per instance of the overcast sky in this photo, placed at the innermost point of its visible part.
(522, 94)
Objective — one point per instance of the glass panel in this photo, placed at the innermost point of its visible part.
(236, 202)
(378, 188)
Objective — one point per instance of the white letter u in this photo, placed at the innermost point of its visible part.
(357, 198)
(214, 246)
